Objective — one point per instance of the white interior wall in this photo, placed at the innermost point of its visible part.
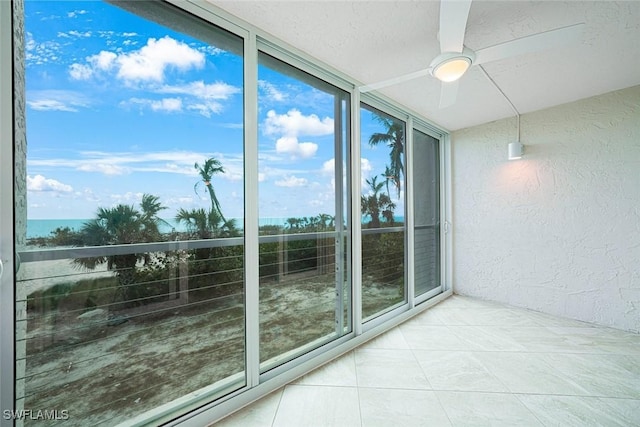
(559, 230)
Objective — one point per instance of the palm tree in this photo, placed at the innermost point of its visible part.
(394, 139)
(388, 176)
(326, 220)
(377, 203)
(210, 167)
(293, 223)
(207, 225)
(122, 224)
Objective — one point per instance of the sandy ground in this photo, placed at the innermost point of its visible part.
(107, 374)
(41, 275)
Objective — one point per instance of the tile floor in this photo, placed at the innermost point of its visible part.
(467, 362)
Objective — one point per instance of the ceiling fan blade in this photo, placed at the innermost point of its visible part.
(393, 81)
(534, 43)
(448, 94)
(453, 24)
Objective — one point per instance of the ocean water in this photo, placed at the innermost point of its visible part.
(44, 227)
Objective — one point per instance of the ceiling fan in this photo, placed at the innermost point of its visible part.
(455, 59)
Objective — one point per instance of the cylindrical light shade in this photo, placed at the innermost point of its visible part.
(516, 150)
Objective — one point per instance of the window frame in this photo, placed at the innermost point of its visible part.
(257, 385)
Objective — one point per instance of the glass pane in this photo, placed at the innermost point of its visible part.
(382, 208)
(426, 199)
(304, 287)
(131, 289)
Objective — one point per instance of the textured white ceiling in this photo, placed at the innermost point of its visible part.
(376, 40)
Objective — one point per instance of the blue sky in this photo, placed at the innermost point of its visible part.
(118, 106)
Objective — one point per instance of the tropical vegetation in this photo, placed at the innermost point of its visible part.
(123, 224)
(393, 138)
(377, 204)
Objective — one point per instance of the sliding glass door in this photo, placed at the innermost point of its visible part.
(426, 211)
(304, 286)
(382, 208)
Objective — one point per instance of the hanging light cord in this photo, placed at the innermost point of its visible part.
(505, 97)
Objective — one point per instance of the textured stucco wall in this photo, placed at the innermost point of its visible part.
(559, 230)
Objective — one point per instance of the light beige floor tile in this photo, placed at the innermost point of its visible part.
(258, 414)
(472, 353)
(541, 339)
(486, 338)
(500, 317)
(528, 373)
(428, 317)
(431, 338)
(600, 340)
(544, 319)
(392, 339)
(486, 409)
(339, 372)
(318, 406)
(627, 409)
(606, 375)
(389, 369)
(462, 371)
(406, 408)
(575, 411)
(462, 301)
(456, 316)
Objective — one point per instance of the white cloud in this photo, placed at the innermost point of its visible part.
(290, 126)
(329, 167)
(74, 33)
(270, 91)
(290, 145)
(40, 183)
(128, 197)
(103, 61)
(365, 166)
(75, 13)
(38, 53)
(50, 105)
(199, 89)
(206, 94)
(211, 50)
(147, 64)
(80, 71)
(56, 100)
(206, 108)
(150, 62)
(291, 181)
(168, 105)
(113, 163)
(30, 43)
(104, 168)
(294, 123)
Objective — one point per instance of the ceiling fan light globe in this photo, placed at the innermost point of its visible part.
(451, 69)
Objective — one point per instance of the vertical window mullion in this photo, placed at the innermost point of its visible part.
(7, 294)
(409, 213)
(339, 201)
(356, 224)
(251, 210)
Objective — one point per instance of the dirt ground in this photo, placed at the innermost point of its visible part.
(105, 367)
